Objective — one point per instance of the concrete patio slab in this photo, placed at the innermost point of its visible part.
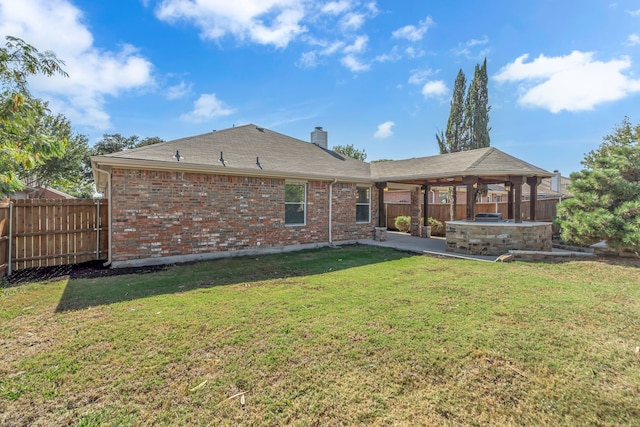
(431, 246)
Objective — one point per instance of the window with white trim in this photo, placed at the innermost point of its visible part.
(363, 204)
(295, 203)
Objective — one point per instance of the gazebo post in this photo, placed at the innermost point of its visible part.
(509, 187)
(425, 209)
(472, 184)
(517, 197)
(533, 182)
(382, 218)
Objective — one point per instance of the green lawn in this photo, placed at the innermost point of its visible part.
(357, 335)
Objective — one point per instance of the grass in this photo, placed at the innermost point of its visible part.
(357, 335)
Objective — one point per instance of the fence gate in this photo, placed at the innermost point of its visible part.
(47, 232)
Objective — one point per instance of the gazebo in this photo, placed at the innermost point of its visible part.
(471, 169)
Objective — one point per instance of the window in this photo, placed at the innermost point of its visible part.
(363, 204)
(295, 202)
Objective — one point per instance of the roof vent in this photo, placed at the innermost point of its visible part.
(320, 137)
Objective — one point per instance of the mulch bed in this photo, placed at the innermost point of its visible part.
(86, 270)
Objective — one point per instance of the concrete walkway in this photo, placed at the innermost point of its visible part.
(431, 246)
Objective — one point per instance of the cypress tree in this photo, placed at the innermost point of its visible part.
(456, 135)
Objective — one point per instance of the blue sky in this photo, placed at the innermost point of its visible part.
(375, 74)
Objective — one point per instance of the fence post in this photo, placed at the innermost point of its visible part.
(97, 229)
(9, 270)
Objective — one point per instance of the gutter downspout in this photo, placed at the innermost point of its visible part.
(108, 263)
(331, 210)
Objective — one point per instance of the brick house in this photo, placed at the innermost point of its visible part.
(242, 189)
(247, 190)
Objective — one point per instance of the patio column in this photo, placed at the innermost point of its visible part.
(382, 218)
(533, 182)
(425, 209)
(517, 197)
(472, 184)
(509, 187)
(415, 212)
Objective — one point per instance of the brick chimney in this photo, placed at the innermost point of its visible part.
(320, 138)
(556, 181)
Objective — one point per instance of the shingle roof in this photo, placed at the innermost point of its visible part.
(487, 162)
(242, 147)
(283, 156)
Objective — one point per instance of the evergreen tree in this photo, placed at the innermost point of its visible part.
(468, 124)
(606, 202)
(456, 134)
(481, 126)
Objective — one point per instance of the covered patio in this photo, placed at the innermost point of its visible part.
(472, 169)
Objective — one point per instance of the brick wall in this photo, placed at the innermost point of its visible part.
(160, 213)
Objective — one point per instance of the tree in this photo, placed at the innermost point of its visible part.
(606, 194)
(66, 171)
(467, 126)
(350, 151)
(456, 136)
(456, 133)
(22, 144)
(113, 143)
(477, 110)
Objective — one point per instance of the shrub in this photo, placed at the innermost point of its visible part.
(403, 223)
(437, 227)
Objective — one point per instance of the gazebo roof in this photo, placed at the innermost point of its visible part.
(489, 165)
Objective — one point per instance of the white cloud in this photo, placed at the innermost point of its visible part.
(308, 60)
(207, 107)
(574, 82)
(352, 21)
(412, 52)
(384, 130)
(94, 73)
(465, 49)
(420, 76)
(413, 33)
(332, 48)
(268, 22)
(634, 12)
(434, 89)
(350, 60)
(336, 7)
(358, 46)
(633, 39)
(392, 56)
(354, 64)
(178, 91)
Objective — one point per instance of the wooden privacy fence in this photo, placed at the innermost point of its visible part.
(545, 210)
(45, 232)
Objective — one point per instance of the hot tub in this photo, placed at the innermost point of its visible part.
(497, 238)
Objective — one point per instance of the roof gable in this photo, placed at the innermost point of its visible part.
(488, 162)
(249, 148)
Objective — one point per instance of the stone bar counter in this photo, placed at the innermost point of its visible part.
(496, 238)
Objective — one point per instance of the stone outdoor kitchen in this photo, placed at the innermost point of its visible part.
(247, 190)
